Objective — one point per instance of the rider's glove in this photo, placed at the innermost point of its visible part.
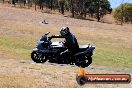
(50, 37)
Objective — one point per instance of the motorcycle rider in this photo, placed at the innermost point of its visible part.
(70, 43)
(70, 40)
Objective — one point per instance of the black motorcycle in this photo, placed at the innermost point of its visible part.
(47, 50)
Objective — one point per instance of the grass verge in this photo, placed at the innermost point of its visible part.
(112, 49)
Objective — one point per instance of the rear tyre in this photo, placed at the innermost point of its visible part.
(38, 57)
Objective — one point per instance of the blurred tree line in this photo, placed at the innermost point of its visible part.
(123, 13)
(81, 8)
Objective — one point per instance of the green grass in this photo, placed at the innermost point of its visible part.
(113, 58)
(19, 46)
(112, 49)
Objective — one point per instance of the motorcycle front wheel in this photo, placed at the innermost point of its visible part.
(38, 57)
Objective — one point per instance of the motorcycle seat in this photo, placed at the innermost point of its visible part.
(57, 44)
(83, 46)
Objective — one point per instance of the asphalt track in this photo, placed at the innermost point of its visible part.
(55, 64)
(90, 67)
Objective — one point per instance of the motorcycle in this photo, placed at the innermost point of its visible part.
(46, 50)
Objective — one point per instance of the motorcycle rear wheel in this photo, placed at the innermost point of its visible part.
(38, 57)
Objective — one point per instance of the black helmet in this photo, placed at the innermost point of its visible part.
(64, 31)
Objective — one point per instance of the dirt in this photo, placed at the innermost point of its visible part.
(26, 74)
(58, 20)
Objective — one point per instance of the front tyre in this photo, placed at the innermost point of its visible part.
(38, 57)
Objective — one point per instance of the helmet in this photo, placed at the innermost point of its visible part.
(64, 31)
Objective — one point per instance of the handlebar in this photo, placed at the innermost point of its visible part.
(54, 36)
(46, 33)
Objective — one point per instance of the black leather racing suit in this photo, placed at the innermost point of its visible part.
(71, 45)
(70, 42)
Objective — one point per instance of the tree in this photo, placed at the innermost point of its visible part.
(126, 14)
(98, 8)
(78, 8)
(61, 4)
(72, 8)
